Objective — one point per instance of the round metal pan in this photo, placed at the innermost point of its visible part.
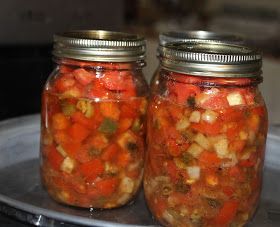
(22, 196)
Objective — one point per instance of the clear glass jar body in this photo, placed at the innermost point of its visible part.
(206, 142)
(92, 132)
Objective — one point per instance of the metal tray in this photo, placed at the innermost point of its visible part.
(22, 196)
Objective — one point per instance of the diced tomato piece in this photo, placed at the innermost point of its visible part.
(92, 169)
(79, 117)
(207, 128)
(259, 110)
(186, 79)
(214, 102)
(117, 80)
(128, 93)
(123, 158)
(173, 148)
(99, 141)
(54, 158)
(253, 122)
(183, 91)
(237, 145)
(107, 187)
(110, 110)
(228, 190)
(60, 121)
(235, 172)
(60, 136)
(64, 82)
(246, 163)
(124, 124)
(78, 132)
(232, 114)
(172, 170)
(209, 159)
(170, 132)
(71, 148)
(226, 213)
(233, 130)
(83, 154)
(110, 153)
(127, 111)
(96, 89)
(65, 69)
(176, 112)
(83, 77)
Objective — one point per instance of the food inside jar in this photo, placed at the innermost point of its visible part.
(92, 146)
(205, 154)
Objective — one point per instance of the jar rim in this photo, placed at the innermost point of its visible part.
(99, 45)
(211, 59)
(199, 35)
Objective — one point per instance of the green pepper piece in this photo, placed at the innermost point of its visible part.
(68, 109)
(136, 126)
(187, 158)
(213, 202)
(108, 126)
(191, 102)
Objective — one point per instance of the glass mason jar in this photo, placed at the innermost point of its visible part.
(206, 135)
(93, 119)
(193, 36)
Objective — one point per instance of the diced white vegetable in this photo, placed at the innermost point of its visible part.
(201, 98)
(245, 156)
(212, 91)
(194, 172)
(234, 99)
(247, 152)
(111, 168)
(221, 148)
(85, 107)
(195, 150)
(232, 160)
(60, 149)
(195, 116)
(63, 196)
(168, 217)
(209, 116)
(243, 135)
(180, 164)
(133, 166)
(182, 124)
(215, 139)
(202, 141)
(126, 185)
(68, 165)
(123, 198)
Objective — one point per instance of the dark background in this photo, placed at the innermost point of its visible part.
(27, 28)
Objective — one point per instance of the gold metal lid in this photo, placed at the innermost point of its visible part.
(99, 45)
(211, 59)
(202, 36)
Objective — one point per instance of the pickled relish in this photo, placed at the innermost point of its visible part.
(206, 141)
(93, 119)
